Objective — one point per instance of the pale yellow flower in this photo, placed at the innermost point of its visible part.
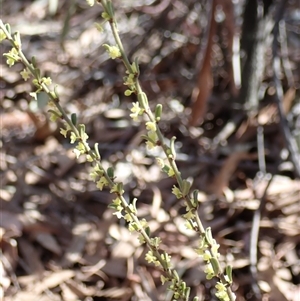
(25, 74)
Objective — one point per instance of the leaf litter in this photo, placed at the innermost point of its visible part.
(59, 240)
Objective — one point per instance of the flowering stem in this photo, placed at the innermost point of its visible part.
(171, 157)
(113, 25)
(178, 286)
(158, 255)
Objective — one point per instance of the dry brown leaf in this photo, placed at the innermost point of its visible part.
(75, 250)
(292, 259)
(15, 120)
(11, 224)
(266, 115)
(9, 256)
(32, 296)
(43, 126)
(240, 263)
(35, 222)
(222, 179)
(115, 293)
(48, 242)
(27, 280)
(52, 280)
(31, 257)
(119, 233)
(65, 162)
(147, 283)
(5, 281)
(68, 293)
(288, 99)
(294, 293)
(123, 249)
(156, 201)
(290, 225)
(205, 78)
(282, 184)
(280, 289)
(115, 267)
(79, 289)
(233, 71)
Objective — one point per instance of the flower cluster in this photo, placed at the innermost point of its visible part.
(178, 286)
(82, 145)
(37, 82)
(208, 250)
(221, 292)
(170, 172)
(152, 258)
(130, 82)
(138, 226)
(130, 79)
(151, 139)
(136, 111)
(176, 191)
(105, 178)
(12, 56)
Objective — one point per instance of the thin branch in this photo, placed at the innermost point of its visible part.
(255, 233)
(288, 137)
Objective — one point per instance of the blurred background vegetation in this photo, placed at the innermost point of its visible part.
(227, 74)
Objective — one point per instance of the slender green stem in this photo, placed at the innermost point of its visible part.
(171, 158)
(111, 183)
(165, 148)
(120, 45)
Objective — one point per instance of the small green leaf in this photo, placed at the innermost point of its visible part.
(186, 186)
(147, 230)
(110, 9)
(183, 286)
(110, 172)
(143, 100)
(17, 39)
(134, 204)
(215, 264)
(158, 111)
(136, 67)
(55, 91)
(229, 273)
(97, 151)
(195, 198)
(176, 276)
(208, 236)
(37, 74)
(172, 147)
(42, 100)
(7, 26)
(33, 62)
(81, 128)
(187, 292)
(74, 119)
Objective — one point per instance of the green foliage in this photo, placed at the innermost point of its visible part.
(207, 247)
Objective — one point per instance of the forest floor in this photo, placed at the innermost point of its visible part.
(59, 239)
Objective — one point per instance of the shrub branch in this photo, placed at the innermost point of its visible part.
(208, 248)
